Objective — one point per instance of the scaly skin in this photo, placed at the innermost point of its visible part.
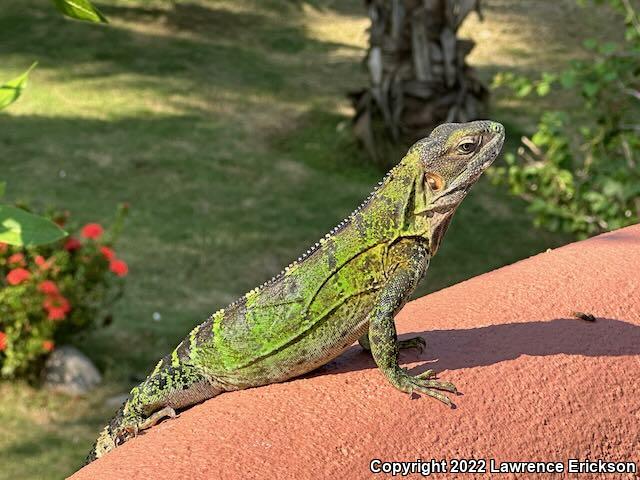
(347, 287)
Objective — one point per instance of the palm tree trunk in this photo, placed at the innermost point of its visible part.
(417, 69)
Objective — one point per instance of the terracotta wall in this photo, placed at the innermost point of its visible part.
(538, 384)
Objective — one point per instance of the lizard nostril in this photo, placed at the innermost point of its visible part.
(496, 127)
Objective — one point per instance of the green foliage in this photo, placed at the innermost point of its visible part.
(11, 90)
(80, 10)
(18, 227)
(580, 171)
(48, 293)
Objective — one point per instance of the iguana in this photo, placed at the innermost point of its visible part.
(347, 287)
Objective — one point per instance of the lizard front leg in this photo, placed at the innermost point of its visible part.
(383, 340)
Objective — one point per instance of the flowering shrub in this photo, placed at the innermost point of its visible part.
(50, 292)
(579, 172)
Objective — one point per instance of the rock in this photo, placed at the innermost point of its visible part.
(69, 371)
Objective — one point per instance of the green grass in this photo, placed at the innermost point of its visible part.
(225, 126)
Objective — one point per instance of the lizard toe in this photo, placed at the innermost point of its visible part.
(429, 374)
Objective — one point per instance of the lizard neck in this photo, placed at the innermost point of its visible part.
(393, 205)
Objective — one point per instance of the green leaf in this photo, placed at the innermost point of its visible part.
(608, 48)
(585, 131)
(549, 77)
(3, 188)
(510, 158)
(18, 227)
(10, 91)
(524, 90)
(590, 89)
(611, 188)
(543, 88)
(590, 44)
(80, 10)
(568, 78)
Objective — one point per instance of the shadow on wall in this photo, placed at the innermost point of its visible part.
(620, 237)
(476, 347)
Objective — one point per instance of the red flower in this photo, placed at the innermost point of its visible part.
(108, 253)
(3, 341)
(48, 345)
(119, 267)
(3, 247)
(57, 307)
(72, 244)
(56, 313)
(49, 288)
(92, 230)
(16, 259)
(17, 276)
(42, 263)
(57, 301)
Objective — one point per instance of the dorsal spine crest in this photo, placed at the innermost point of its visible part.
(388, 176)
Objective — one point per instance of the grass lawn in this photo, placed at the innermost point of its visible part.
(225, 125)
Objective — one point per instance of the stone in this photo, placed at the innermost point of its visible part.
(69, 371)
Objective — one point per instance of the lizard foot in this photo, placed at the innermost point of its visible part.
(425, 383)
(150, 421)
(155, 417)
(418, 343)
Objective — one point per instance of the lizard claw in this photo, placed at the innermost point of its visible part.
(424, 383)
(429, 374)
(132, 430)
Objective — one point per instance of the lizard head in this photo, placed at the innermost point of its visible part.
(451, 160)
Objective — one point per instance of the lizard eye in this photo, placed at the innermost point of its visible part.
(435, 181)
(466, 147)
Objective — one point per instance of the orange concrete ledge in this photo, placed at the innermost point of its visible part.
(537, 383)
